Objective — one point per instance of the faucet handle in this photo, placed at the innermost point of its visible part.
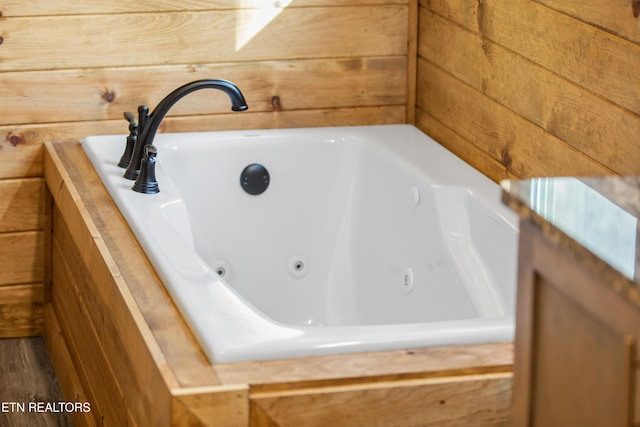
(131, 118)
(131, 139)
(146, 181)
(143, 115)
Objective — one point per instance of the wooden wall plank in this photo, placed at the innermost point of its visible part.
(462, 147)
(20, 160)
(579, 52)
(34, 135)
(21, 313)
(341, 369)
(523, 148)
(28, 292)
(124, 372)
(65, 369)
(467, 400)
(21, 257)
(11, 8)
(552, 72)
(43, 43)
(615, 16)
(219, 406)
(577, 116)
(106, 93)
(463, 12)
(23, 204)
(96, 372)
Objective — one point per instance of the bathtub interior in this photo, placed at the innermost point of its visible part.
(352, 230)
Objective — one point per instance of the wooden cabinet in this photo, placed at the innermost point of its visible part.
(578, 324)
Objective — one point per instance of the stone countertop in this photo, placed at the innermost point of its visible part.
(594, 218)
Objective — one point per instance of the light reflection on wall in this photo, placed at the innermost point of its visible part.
(252, 20)
(591, 219)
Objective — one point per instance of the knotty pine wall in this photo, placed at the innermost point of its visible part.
(70, 68)
(524, 88)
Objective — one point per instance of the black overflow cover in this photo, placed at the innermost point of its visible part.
(254, 179)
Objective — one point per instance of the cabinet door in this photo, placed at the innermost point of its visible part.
(575, 342)
(580, 365)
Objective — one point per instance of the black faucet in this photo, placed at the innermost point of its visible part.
(148, 124)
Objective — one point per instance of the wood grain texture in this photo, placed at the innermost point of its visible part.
(24, 204)
(21, 312)
(575, 315)
(22, 159)
(12, 8)
(613, 16)
(28, 376)
(465, 400)
(523, 148)
(462, 147)
(43, 43)
(220, 406)
(542, 62)
(21, 257)
(105, 94)
(67, 375)
(577, 116)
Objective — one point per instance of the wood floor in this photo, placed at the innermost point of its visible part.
(26, 375)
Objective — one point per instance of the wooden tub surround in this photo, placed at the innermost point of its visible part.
(117, 341)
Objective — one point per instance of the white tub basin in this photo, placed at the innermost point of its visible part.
(367, 238)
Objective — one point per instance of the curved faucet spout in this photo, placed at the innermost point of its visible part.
(161, 110)
(148, 132)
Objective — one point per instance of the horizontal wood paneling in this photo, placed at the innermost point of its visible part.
(220, 406)
(462, 147)
(21, 310)
(562, 86)
(577, 116)
(507, 137)
(466, 400)
(75, 7)
(595, 59)
(28, 157)
(21, 257)
(66, 370)
(201, 37)
(19, 161)
(24, 207)
(95, 370)
(107, 93)
(615, 16)
(581, 53)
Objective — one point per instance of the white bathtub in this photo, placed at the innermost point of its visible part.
(367, 238)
